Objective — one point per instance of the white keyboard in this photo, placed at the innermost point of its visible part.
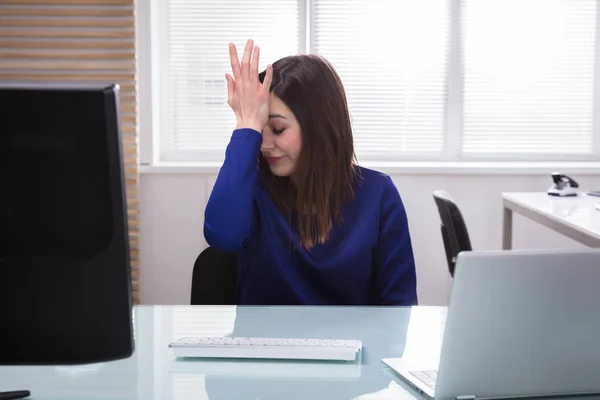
(267, 348)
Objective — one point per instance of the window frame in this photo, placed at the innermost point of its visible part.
(156, 139)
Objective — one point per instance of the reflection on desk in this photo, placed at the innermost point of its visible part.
(153, 373)
(383, 331)
(272, 369)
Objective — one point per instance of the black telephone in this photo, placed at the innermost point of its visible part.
(563, 185)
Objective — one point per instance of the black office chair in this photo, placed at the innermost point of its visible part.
(454, 230)
(214, 278)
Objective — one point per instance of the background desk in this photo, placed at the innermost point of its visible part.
(153, 374)
(574, 217)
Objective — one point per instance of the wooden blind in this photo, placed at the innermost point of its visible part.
(80, 40)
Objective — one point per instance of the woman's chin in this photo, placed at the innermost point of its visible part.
(281, 170)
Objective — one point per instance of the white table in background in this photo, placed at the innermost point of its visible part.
(575, 217)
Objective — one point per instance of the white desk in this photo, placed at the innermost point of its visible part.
(152, 373)
(574, 217)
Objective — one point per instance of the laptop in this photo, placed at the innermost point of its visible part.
(520, 323)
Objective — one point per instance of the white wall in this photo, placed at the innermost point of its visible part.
(172, 207)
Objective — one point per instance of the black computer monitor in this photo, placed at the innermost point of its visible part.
(65, 291)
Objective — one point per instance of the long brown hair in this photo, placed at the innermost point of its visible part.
(326, 172)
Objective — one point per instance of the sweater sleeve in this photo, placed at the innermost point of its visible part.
(229, 218)
(393, 259)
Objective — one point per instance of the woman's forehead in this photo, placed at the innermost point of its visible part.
(277, 108)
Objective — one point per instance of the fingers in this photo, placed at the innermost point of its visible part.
(246, 60)
(268, 77)
(254, 65)
(230, 88)
(235, 63)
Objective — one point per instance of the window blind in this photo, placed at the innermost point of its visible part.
(197, 120)
(392, 58)
(79, 40)
(521, 74)
(528, 78)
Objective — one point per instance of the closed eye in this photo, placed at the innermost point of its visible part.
(278, 131)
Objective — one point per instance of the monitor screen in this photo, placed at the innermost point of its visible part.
(54, 174)
(64, 243)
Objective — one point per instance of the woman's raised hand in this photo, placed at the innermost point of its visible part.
(248, 98)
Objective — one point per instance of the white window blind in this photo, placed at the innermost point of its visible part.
(425, 79)
(196, 121)
(528, 78)
(392, 58)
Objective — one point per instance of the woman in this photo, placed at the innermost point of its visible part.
(309, 226)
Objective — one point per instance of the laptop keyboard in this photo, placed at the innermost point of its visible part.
(427, 377)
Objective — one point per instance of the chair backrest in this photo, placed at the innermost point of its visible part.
(454, 230)
(214, 278)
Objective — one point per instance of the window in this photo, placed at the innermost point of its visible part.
(425, 79)
(392, 57)
(529, 78)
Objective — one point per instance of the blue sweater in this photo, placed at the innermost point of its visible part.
(368, 259)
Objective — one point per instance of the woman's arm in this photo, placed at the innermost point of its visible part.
(393, 259)
(229, 219)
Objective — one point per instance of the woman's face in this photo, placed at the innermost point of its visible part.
(281, 138)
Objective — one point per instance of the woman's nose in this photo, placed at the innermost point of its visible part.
(267, 142)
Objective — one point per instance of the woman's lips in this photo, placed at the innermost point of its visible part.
(272, 160)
